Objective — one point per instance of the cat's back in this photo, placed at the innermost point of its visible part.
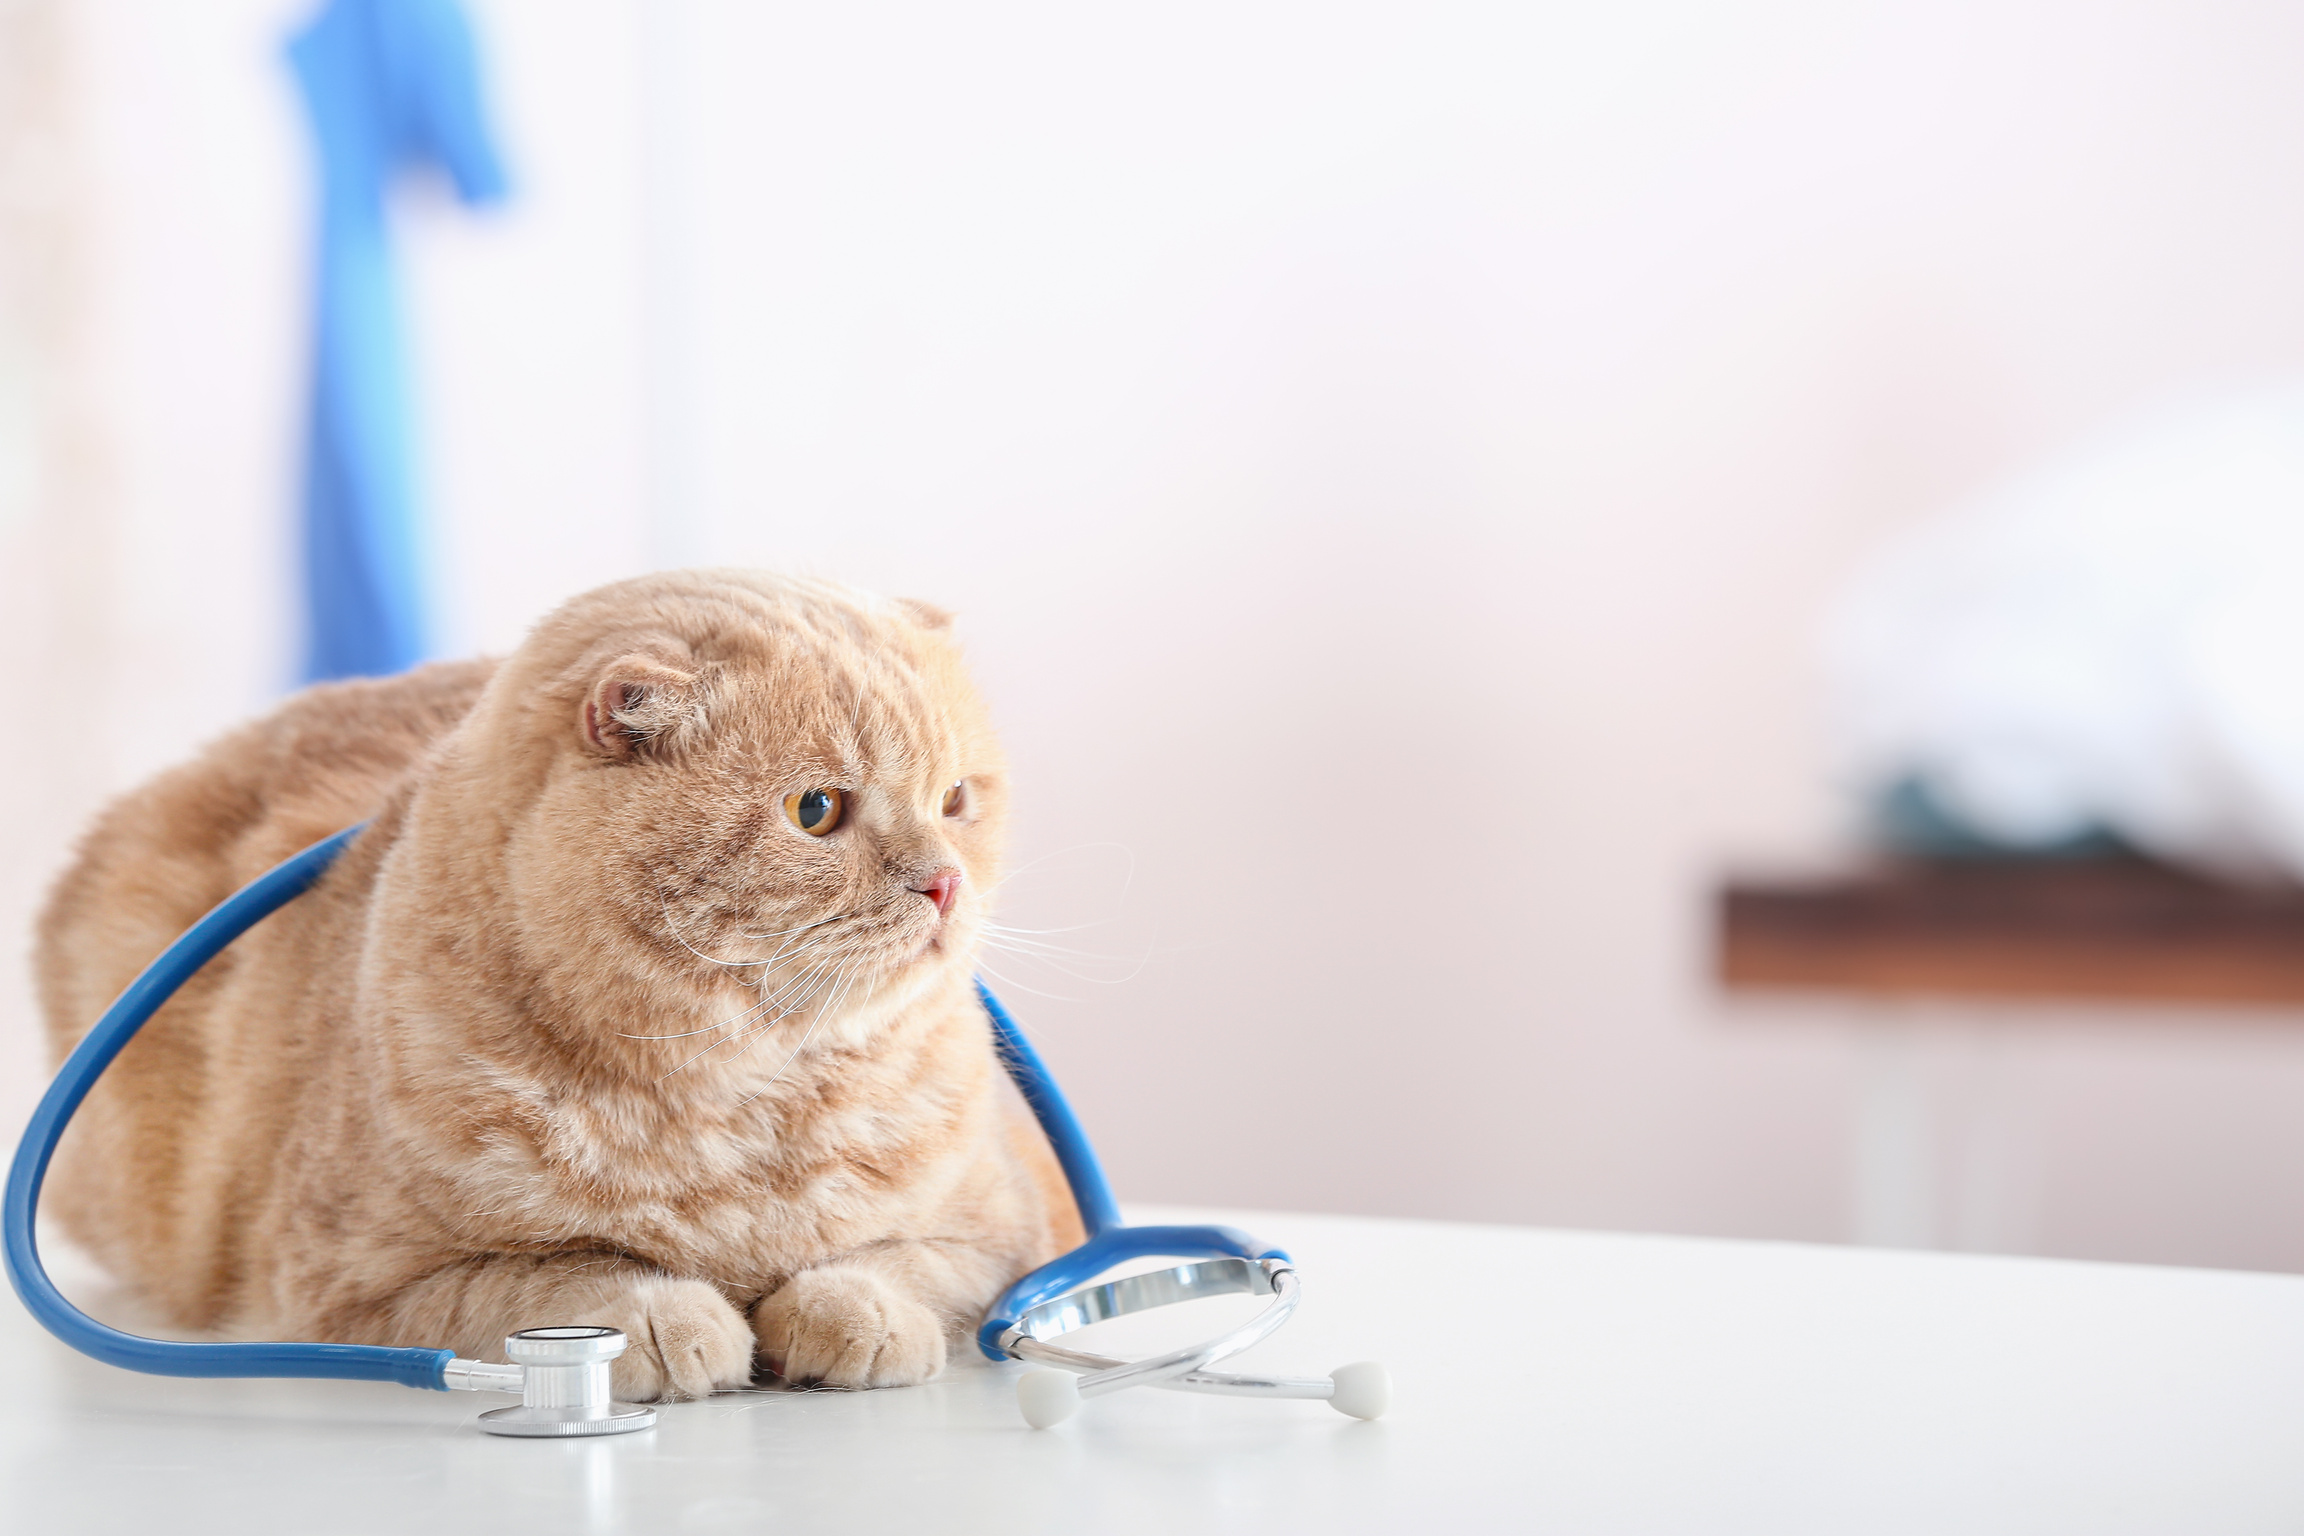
(173, 847)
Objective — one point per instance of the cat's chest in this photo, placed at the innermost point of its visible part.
(756, 1191)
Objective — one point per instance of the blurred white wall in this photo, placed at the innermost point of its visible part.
(1391, 461)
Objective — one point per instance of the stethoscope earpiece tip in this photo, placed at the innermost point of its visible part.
(1363, 1390)
(1047, 1397)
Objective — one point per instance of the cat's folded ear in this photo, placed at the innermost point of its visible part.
(639, 701)
(926, 615)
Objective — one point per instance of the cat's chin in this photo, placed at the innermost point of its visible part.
(934, 946)
(931, 964)
(945, 946)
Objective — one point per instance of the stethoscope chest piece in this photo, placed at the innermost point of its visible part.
(1048, 1397)
(564, 1386)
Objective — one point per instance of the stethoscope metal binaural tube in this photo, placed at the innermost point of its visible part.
(562, 1373)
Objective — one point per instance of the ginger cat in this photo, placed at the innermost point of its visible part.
(644, 1000)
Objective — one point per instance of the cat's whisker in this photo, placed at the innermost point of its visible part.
(681, 939)
(800, 947)
(757, 1029)
(753, 1037)
(1042, 963)
(1054, 956)
(1102, 922)
(1011, 984)
(758, 1032)
(1008, 940)
(767, 1001)
(846, 980)
(684, 1034)
(801, 928)
(800, 991)
(732, 1021)
(673, 928)
(709, 1049)
(806, 1035)
(1062, 852)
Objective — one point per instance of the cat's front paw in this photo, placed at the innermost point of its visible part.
(684, 1340)
(848, 1328)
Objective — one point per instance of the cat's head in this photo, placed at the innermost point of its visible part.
(774, 794)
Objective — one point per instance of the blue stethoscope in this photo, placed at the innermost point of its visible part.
(562, 1373)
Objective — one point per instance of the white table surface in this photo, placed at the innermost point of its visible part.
(1545, 1381)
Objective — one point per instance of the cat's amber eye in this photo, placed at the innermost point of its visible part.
(815, 811)
(956, 799)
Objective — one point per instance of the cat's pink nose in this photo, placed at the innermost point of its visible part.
(942, 888)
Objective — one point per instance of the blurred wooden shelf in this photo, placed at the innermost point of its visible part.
(2082, 928)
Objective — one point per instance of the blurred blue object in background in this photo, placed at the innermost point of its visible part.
(392, 86)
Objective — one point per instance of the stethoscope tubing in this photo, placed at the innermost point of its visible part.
(158, 982)
(1110, 1241)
